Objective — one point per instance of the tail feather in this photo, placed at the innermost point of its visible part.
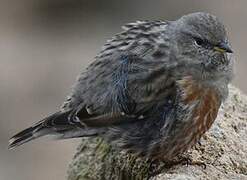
(50, 125)
(60, 124)
(25, 136)
(69, 124)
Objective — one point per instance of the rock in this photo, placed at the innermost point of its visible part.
(223, 149)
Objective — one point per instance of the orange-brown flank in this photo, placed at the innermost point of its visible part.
(207, 103)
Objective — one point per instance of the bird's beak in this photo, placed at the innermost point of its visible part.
(223, 47)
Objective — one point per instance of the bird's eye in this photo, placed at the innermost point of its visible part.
(199, 42)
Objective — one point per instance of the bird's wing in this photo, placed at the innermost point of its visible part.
(128, 78)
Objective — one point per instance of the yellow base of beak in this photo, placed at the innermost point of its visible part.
(219, 49)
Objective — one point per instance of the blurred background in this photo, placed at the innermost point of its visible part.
(44, 44)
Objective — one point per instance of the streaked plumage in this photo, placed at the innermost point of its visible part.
(153, 90)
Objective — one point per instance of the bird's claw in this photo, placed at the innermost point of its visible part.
(188, 161)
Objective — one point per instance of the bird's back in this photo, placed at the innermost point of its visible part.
(138, 58)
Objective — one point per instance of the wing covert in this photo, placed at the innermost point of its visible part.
(128, 77)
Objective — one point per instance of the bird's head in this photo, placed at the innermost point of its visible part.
(200, 42)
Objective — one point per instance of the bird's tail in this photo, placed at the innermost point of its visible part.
(58, 124)
(37, 130)
(25, 136)
(68, 124)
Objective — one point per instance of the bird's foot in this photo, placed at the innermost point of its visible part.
(188, 161)
(157, 166)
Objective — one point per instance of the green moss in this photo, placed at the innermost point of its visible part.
(97, 160)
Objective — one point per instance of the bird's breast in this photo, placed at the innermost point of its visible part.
(203, 102)
(202, 105)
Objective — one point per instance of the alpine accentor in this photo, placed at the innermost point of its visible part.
(153, 90)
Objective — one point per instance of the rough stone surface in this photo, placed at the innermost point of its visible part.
(223, 149)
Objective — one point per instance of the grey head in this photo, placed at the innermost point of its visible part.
(199, 42)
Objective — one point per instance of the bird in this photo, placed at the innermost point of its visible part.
(153, 90)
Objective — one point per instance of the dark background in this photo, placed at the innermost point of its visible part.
(44, 44)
